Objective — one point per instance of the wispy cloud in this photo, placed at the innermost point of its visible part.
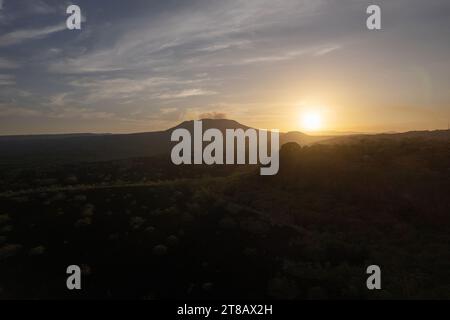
(186, 94)
(8, 64)
(327, 50)
(58, 100)
(291, 54)
(41, 7)
(126, 90)
(274, 58)
(6, 111)
(214, 47)
(186, 34)
(19, 36)
(79, 113)
(7, 80)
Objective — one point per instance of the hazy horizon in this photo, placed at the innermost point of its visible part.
(266, 64)
(315, 133)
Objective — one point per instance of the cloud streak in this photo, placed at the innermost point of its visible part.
(8, 64)
(7, 80)
(20, 36)
(186, 94)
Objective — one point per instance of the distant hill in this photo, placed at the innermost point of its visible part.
(72, 148)
(356, 138)
(81, 148)
(223, 124)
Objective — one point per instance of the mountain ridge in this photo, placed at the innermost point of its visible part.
(92, 147)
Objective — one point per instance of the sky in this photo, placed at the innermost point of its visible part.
(144, 65)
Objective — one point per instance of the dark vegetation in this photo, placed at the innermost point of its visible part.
(144, 229)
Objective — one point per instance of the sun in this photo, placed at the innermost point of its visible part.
(311, 121)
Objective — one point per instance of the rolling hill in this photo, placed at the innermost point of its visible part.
(73, 148)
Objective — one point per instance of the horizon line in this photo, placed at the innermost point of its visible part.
(313, 134)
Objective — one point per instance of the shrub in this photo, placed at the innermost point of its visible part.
(88, 210)
(83, 222)
(4, 218)
(80, 198)
(37, 251)
(6, 229)
(160, 250)
(136, 222)
(172, 240)
(9, 250)
(282, 288)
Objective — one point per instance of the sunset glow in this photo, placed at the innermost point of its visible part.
(311, 121)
